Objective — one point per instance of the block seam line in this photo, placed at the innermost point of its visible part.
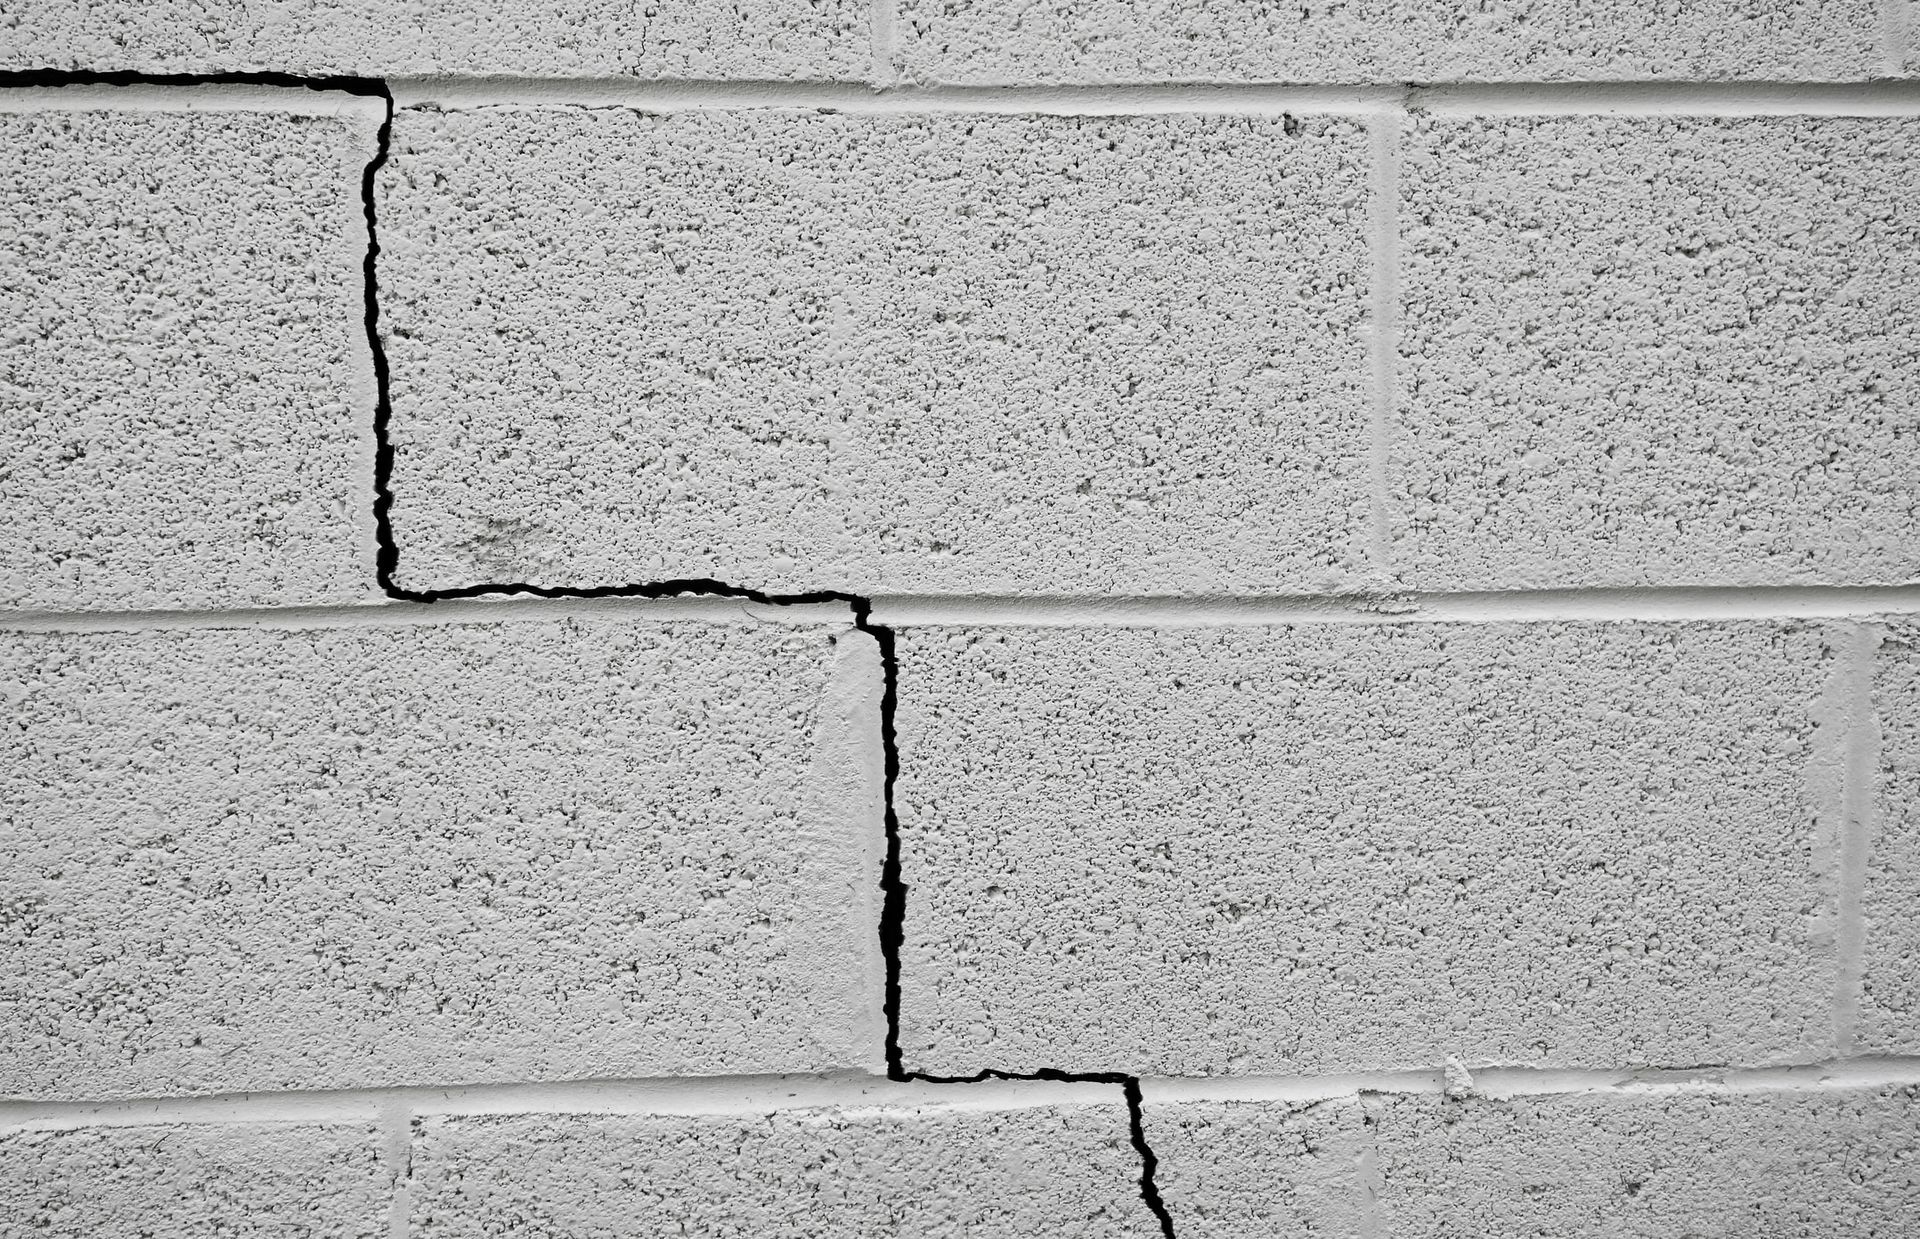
(1130, 1090)
(891, 930)
(1384, 135)
(30, 79)
(1855, 823)
(883, 21)
(1897, 19)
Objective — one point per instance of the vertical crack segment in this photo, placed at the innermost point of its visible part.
(891, 930)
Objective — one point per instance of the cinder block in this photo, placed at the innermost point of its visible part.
(188, 1181)
(1331, 847)
(794, 1174)
(758, 39)
(1890, 901)
(1651, 1166)
(798, 350)
(1646, 350)
(1634, 1164)
(1903, 34)
(185, 359)
(1233, 1170)
(245, 859)
(982, 42)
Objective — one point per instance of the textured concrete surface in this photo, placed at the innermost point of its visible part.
(1000, 1174)
(1890, 902)
(1638, 1165)
(940, 353)
(183, 360)
(244, 860)
(755, 39)
(1288, 849)
(569, 915)
(1243, 1168)
(1764, 1165)
(994, 41)
(191, 1181)
(1647, 350)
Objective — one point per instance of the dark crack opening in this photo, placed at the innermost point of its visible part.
(892, 927)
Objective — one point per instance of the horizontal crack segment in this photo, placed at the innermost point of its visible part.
(1129, 1089)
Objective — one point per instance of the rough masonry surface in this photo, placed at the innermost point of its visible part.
(793, 1174)
(249, 859)
(184, 359)
(982, 42)
(1642, 1164)
(753, 39)
(801, 350)
(1890, 998)
(1327, 847)
(194, 1180)
(446, 876)
(1657, 349)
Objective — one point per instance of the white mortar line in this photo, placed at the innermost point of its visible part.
(1636, 604)
(1303, 1089)
(1857, 795)
(1517, 606)
(664, 96)
(848, 783)
(403, 614)
(296, 100)
(885, 18)
(345, 1106)
(747, 1095)
(1896, 27)
(395, 1118)
(1383, 342)
(681, 1096)
(1834, 1075)
(1883, 98)
(1368, 1179)
(1670, 99)
(1832, 713)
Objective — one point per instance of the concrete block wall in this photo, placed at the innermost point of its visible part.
(815, 619)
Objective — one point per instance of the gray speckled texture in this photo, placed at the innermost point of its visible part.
(797, 350)
(1237, 1169)
(756, 39)
(250, 860)
(980, 42)
(1659, 350)
(1636, 1165)
(183, 363)
(797, 1174)
(194, 1181)
(1325, 847)
(1890, 903)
